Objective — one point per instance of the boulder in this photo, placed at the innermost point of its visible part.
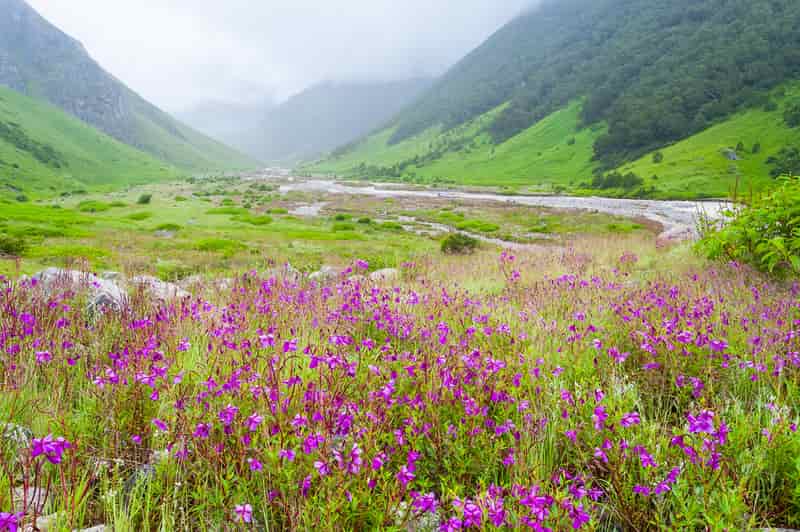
(103, 294)
(387, 274)
(326, 273)
(159, 289)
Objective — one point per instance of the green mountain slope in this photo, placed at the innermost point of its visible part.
(39, 60)
(44, 150)
(580, 87)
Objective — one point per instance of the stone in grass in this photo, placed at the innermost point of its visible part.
(159, 289)
(416, 522)
(387, 274)
(103, 294)
(326, 273)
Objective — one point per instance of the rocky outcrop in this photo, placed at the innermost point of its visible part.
(103, 294)
(387, 274)
(159, 289)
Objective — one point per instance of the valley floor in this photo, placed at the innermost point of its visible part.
(595, 377)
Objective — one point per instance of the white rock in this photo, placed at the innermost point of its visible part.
(326, 273)
(104, 294)
(159, 289)
(387, 274)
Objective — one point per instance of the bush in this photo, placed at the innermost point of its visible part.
(168, 227)
(458, 244)
(342, 217)
(140, 216)
(792, 116)
(145, 199)
(219, 245)
(93, 206)
(365, 221)
(22, 198)
(785, 162)
(756, 148)
(478, 226)
(12, 245)
(180, 198)
(343, 226)
(765, 234)
(254, 220)
(658, 157)
(617, 180)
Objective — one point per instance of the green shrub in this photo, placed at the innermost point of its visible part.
(254, 220)
(219, 245)
(344, 226)
(93, 206)
(22, 198)
(180, 198)
(145, 199)
(658, 157)
(168, 227)
(12, 245)
(278, 210)
(785, 162)
(233, 211)
(140, 216)
(765, 234)
(478, 226)
(458, 244)
(342, 217)
(792, 116)
(365, 221)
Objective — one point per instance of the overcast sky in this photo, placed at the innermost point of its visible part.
(181, 52)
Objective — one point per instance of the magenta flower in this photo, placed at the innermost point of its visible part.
(51, 449)
(287, 454)
(160, 425)
(254, 464)
(228, 414)
(322, 468)
(404, 476)
(253, 422)
(473, 515)
(244, 513)
(10, 522)
(362, 264)
(630, 419)
(702, 423)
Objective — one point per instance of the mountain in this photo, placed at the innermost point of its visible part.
(43, 150)
(577, 91)
(40, 61)
(329, 115)
(235, 124)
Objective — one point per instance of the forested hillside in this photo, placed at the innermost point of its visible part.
(647, 74)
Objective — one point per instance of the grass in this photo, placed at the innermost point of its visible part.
(90, 158)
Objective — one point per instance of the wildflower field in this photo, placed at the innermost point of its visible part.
(585, 388)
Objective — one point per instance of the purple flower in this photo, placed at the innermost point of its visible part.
(702, 423)
(51, 449)
(425, 503)
(473, 515)
(641, 490)
(244, 513)
(404, 476)
(362, 264)
(10, 522)
(43, 357)
(287, 454)
(254, 464)
(253, 422)
(228, 414)
(322, 468)
(630, 419)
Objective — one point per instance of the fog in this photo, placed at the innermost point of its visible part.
(178, 53)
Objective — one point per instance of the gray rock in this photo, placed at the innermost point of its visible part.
(326, 273)
(159, 289)
(111, 276)
(730, 154)
(103, 294)
(387, 274)
(164, 234)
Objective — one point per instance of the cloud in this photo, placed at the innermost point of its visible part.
(180, 52)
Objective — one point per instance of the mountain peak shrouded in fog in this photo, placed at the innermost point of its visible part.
(184, 52)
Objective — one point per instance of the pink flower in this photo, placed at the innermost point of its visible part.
(703, 423)
(253, 422)
(404, 476)
(244, 513)
(51, 449)
(630, 419)
(160, 425)
(254, 464)
(287, 454)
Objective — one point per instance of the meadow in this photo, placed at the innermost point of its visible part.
(605, 381)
